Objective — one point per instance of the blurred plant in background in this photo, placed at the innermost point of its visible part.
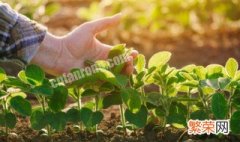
(177, 15)
(39, 10)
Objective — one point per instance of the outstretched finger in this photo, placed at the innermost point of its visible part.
(104, 23)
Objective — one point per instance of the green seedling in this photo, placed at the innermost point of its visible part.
(52, 100)
(11, 99)
(191, 92)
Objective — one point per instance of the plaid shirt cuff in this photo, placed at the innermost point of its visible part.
(21, 36)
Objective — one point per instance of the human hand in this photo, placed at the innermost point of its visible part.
(59, 55)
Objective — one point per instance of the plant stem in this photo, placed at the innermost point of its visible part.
(5, 109)
(230, 103)
(166, 107)
(188, 105)
(96, 103)
(79, 108)
(143, 96)
(122, 118)
(43, 102)
(204, 102)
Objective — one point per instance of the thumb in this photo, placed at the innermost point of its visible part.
(102, 24)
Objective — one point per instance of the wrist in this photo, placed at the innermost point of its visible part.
(48, 53)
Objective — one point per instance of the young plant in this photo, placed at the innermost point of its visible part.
(52, 100)
(11, 99)
(164, 103)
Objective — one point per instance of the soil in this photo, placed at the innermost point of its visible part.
(109, 133)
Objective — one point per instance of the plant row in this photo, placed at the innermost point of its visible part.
(192, 92)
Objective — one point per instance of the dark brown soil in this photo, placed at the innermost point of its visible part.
(109, 133)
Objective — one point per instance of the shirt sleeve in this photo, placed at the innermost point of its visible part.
(20, 37)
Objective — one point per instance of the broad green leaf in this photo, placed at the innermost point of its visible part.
(172, 80)
(154, 98)
(219, 83)
(213, 83)
(149, 76)
(42, 90)
(177, 115)
(2, 120)
(90, 118)
(106, 75)
(38, 120)
(219, 106)
(177, 120)
(118, 68)
(106, 87)
(177, 108)
(134, 101)
(160, 112)
(82, 78)
(89, 93)
(125, 95)
(21, 105)
(172, 91)
(201, 72)
(236, 102)
(72, 93)
(11, 120)
(14, 82)
(116, 51)
(60, 121)
(73, 115)
(22, 76)
(131, 98)
(237, 76)
(122, 79)
(138, 80)
(231, 67)
(90, 105)
(3, 75)
(102, 64)
(58, 99)
(34, 74)
(189, 68)
(97, 117)
(3, 93)
(22, 94)
(159, 59)
(140, 63)
(192, 83)
(85, 115)
(208, 90)
(223, 82)
(114, 99)
(117, 58)
(187, 76)
(214, 71)
(139, 118)
(234, 122)
(199, 114)
(8, 120)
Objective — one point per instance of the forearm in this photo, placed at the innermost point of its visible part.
(48, 53)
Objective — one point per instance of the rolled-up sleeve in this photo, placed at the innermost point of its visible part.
(20, 37)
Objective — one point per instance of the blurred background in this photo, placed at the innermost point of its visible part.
(195, 31)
